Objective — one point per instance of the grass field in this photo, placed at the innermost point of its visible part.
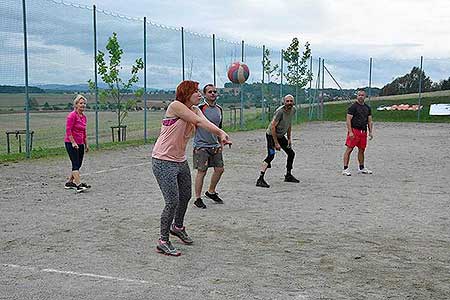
(49, 129)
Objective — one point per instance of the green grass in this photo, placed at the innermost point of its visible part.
(47, 153)
(337, 112)
(49, 127)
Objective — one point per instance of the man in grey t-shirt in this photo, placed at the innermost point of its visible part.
(275, 135)
(207, 149)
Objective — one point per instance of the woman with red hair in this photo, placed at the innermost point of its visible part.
(169, 163)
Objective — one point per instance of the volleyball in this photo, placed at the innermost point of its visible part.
(238, 72)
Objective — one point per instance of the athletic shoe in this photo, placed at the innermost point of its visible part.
(199, 203)
(166, 248)
(70, 185)
(346, 172)
(290, 178)
(85, 185)
(364, 171)
(79, 188)
(181, 234)
(215, 197)
(262, 183)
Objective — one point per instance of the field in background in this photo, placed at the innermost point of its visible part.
(49, 126)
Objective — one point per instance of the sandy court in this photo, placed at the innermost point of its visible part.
(379, 236)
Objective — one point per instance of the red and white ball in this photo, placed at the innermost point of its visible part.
(238, 72)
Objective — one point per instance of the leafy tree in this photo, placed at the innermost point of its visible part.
(34, 104)
(297, 73)
(445, 84)
(46, 106)
(268, 70)
(408, 84)
(110, 74)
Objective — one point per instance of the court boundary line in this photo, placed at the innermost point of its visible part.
(91, 275)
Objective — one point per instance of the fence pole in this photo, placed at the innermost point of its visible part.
(145, 79)
(370, 79)
(214, 57)
(310, 86)
(263, 113)
(95, 75)
(241, 117)
(322, 104)
(27, 99)
(319, 99)
(182, 50)
(281, 75)
(420, 88)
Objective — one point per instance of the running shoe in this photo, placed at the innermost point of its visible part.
(85, 185)
(79, 188)
(364, 171)
(181, 234)
(290, 178)
(346, 172)
(199, 203)
(262, 183)
(214, 196)
(70, 185)
(166, 248)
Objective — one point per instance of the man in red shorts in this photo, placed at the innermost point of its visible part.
(359, 119)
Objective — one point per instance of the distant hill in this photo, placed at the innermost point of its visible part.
(74, 88)
(9, 89)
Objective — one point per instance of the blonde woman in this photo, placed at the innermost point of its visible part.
(76, 142)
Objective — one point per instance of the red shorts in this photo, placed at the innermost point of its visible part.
(359, 139)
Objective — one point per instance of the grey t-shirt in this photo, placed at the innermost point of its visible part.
(284, 120)
(204, 138)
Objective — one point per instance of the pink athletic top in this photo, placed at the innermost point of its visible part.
(76, 127)
(172, 140)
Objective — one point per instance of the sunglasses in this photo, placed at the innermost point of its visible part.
(212, 92)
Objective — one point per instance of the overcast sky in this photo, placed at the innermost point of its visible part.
(382, 28)
(346, 33)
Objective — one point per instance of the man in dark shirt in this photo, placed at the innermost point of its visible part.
(359, 119)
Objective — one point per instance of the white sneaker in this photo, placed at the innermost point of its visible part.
(364, 171)
(346, 172)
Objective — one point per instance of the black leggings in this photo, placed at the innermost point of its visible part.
(75, 155)
(286, 148)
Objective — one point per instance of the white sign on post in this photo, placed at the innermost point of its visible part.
(440, 110)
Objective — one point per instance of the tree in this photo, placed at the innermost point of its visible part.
(268, 70)
(33, 104)
(445, 84)
(408, 84)
(110, 74)
(297, 73)
(46, 106)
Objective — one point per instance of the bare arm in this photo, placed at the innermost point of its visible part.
(348, 122)
(370, 125)
(274, 134)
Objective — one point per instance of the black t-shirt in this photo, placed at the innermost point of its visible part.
(360, 113)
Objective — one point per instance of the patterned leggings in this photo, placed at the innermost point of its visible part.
(174, 179)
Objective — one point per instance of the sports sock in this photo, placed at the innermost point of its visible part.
(361, 167)
(345, 167)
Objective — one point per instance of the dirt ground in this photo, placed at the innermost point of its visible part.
(379, 236)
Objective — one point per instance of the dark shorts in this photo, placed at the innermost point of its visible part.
(359, 139)
(205, 158)
(75, 155)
